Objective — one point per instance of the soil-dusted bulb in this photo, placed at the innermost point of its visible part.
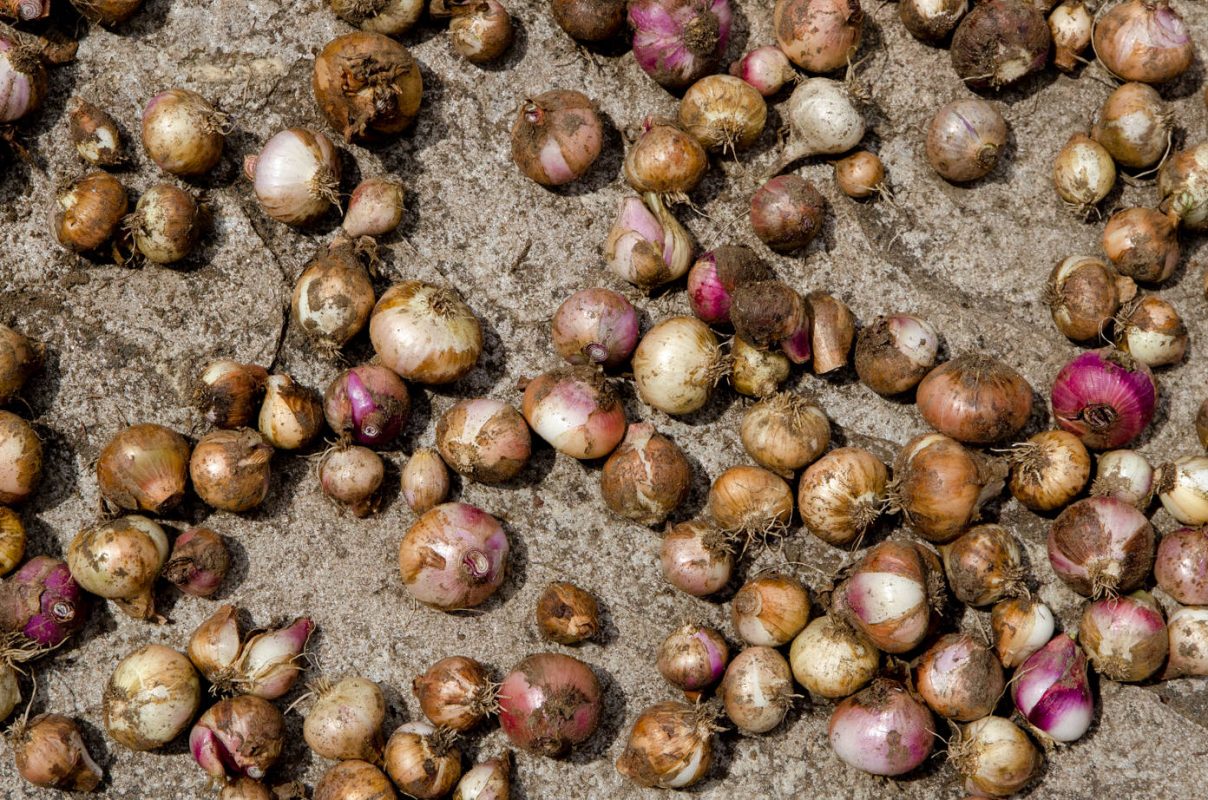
(755, 372)
(984, 566)
(250, 789)
(481, 30)
(1182, 486)
(215, 645)
(1125, 475)
(484, 440)
(389, 17)
(183, 133)
(351, 476)
(1144, 40)
(89, 211)
(1183, 187)
(785, 432)
(1150, 330)
(454, 556)
(42, 603)
(665, 160)
(143, 468)
(959, 678)
(1142, 243)
(766, 68)
(107, 12)
(12, 540)
(940, 487)
(549, 703)
(1134, 125)
(333, 296)
(770, 610)
(10, 690)
(647, 245)
(676, 42)
(455, 693)
(1124, 637)
(1050, 690)
(646, 477)
(486, 780)
(567, 614)
(595, 326)
(589, 21)
(95, 135)
(151, 697)
(120, 560)
(1049, 470)
(976, 399)
(823, 120)
(228, 393)
(931, 20)
(1104, 397)
(1181, 566)
(757, 690)
(424, 762)
(296, 176)
(368, 404)
(1000, 42)
(818, 35)
(787, 213)
(368, 86)
(20, 358)
(165, 224)
(861, 175)
(353, 780)
(1101, 545)
(965, 139)
(50, 753)
(1083, 172)
(696, 558)
(1021, 626)
(231, 470)
(375, 208)
(425, 480)
(346, 720)
(693, 658)
(895, 353)
(240, 736)
(425, 333)
(576, 410)
(891, 594)
(723, 113)
(20, 459)
(750, 501)
(841, 494)
(831, 659)
(1070, 25)
(557, 136)
(1188, 633)
(676, 365)
(23, 80)
(1083, 294)
(767, 313)
(291, 415)
(670, 746)
(994, 756)
(198, 562)
(882, 730)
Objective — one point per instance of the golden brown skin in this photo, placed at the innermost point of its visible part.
(567, 614)
(368, 86)
(89, 212)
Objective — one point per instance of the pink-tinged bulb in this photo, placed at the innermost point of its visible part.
(576, 412)
(23, 81)
(1105, 398)
(43, 602)
(709, 299)
(454, 556)
(1124, 637)
(766, 68)
(1050, 689)
(1181, 567)
(595, 326)
(882, 730)
(368, 403)
(1101, 545)
(797, 346)
(271, 662)
(549, 703)
(677, 42)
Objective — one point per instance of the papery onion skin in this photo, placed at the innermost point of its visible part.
(455, 693)
(346, 720)
(755, 372)
(486, 780)
(1143, 40)
(43, 603)
(995, 757)
(1181, 566)
(231, 470)
(1083, 172)
(454, 556)
(723, 113)
(50, 753)
(368, 86)
(676, 365)
(480, 31)
(696, 558)
(425, 480)
(1021, 626)
(549, 704)
(818, 35)
(151, 698)
(228, 393)
(861, 175)
(291, 416)
(576, 410)
(894, 353)
(960, 678)
(823, 120)
(120, 560)
(770, 610)
(647, 245)
(984, 565)
(999, 42)
(975, 399)
(595, 326)
(939, 486)
(391, 17)
(647, 477)
(425, 333)
(166, 224)
(1124, 637)
(785, 432)
(669, 747)
(665, 160)
(271, 661)
(757, 690)
(676, 42)
(1151, 331)
(1134, 125)
(89, 211)
(1052, 693)
(485, 440)
(1105, 398)
(882, 730)
(25, 80)
(1188, 633)
(751, 501)
(143, 468)
(1070, 25)
(353, 780)
(556, 137)
(841, 495)
(1101, 545)
(891, 595)
(831, 659)
(1049, 470)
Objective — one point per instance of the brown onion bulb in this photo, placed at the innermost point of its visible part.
(242, 735)
(353, 780)
(787, 213)
(785, 432)
(646, 477)
(567, 614)
(20, 358)
(818, 35)
(351, 476)
(765, 313)
(198, 562)
(665, 160)
(861, 175)
(1101, 545)
(20, 459)
(455, 693)
(750, 501)
(375, 208)
(832, 331)
(1142, 243)
(333, 297)
(984, 566)
(95, 135)
(228, 393)
(1070, 24)
(485, 440)
(755, 372)
(723, 112)
(831, 659)
(891, 595)
(895, 353)
(931, 20)
(50, 753)
(556, 137)
(486, 780)
(589, 20)
(966, 139)
(1049, 470)
(291, 416)
(1083, 294)
(939, 486)
(1144, 40)
(1000, 42)
(390, 17)
(770, 610)
(960, 678)
(975, 399)
(1134, 125)
(423, 761)
(183, 133)
(995, 756)
(120, 560)
(696, 558)
(481, 30)
(368, 86)
(425, 481)
(841, 495)
(87, 214)
(670, 746)
(143, 468)
(12, 548)
(231, 469)
(166, 224)
(693, 658)
(757, 690)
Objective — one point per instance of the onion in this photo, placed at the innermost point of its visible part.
(676, 365)
(50, 753)
(455, 693)
(1143, 40)
(586, 21)
(755, 372)
(296, 176)
(368, 86)
(353, 780)
(1049, 470)
(1125, 637)
(882, 730)
(939, 486)
(975, 399)
(697, 558)
(841, 494)
(291, 416)
(120, 560)
(785, 432)
(959, 678)
(346, 720)
(665, 161)
(770, 610)
(20, 459)
(832, 660)
(1125, 475)
(891, 594)
(20, 358)
(995, 757)
(151, 697)
(1181, 566)
(595, 326)
(198, 562)
(215, 645)
(1083, 172)
(757, 690)
(894, 353)
(333, 297)
(231, 469)
(425, 481)
(270, 661)
(423, 761)
(12, 540)
(1021, 626)
(556, 137)
(1188, 633)
(670, 746)
(1050, 689)
(751, 502)
(375, 208)
(646, 477)
(1104, 397)
(766, 68)
(822, 119)
(965, 139)
(183, 133)
(1083, 294)
(787, 213)
(567, 614)
(931, 20)
(693, 658)
(43, 603)
(1183, 187)
(984, 565)
(143, 468)
(453, 557)
(1134, 125)
(818, 35)
(1000, 42)
(367, 403)
(241, 736)
(425, 333)
(1070, 25)
(647, 245)
(1182, 486)
(484, 440)
(1101, 545)
(676, 42)
(486, 780)
(549, 703)
(723, 113)
(576, 410)
(391, 17)
(228, 393)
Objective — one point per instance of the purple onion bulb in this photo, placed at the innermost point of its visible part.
(43, 602)
(882, 730)
(766, 68)
(369, 403)
(595, 326)
(676, 42)
(1050, 689)
(1105, 398)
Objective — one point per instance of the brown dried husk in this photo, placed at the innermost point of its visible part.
(368, 86)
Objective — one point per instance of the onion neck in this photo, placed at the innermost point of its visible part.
(1100, 417)
(476, 564)
(702, 33)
